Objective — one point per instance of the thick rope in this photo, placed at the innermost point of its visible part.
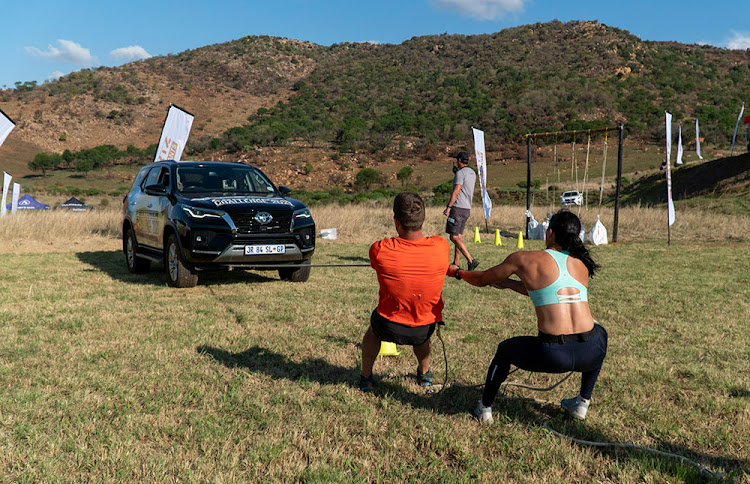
(586, 175)
(554, 191)
(601, 185)
(616, 445)
(573, 164)
(293, 266)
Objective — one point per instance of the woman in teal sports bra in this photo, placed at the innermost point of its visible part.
(556, 280)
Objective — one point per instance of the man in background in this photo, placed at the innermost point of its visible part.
(459, 207)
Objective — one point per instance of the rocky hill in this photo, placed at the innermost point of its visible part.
(302, 107)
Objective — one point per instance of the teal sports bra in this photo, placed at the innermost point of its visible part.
(549, 295)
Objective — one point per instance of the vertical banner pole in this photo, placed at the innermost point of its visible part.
(6, 185)
(734, 136)
(14, 198)
(621, 129)
(528, 182)
(670, 203)
(481, 156)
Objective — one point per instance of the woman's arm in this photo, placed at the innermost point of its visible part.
(512, 284)
(493, 275)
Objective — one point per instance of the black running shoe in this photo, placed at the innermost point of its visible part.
(366, 384)
(425, 379)
(473, 264)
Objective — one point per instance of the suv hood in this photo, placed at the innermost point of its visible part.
(231, 203)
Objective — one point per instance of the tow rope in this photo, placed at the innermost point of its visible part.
(704, 470)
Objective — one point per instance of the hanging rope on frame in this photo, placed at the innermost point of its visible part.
(586, 173)
(604, 168)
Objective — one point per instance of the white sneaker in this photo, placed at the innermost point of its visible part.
(575, 407)
(482, 413)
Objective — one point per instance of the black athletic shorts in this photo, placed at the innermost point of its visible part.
(401, 334)
(457, 220)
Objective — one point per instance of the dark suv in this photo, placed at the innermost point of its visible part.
(196, 216)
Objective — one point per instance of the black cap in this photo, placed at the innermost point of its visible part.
(463, 157)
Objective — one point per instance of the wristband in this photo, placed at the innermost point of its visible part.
(457, 275)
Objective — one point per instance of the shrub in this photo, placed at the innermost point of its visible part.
(404, 174)
(444, 188)
(366, 177)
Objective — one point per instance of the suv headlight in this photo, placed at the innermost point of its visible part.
(200, 213)
(300, 216)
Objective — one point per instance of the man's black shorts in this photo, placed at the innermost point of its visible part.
(459, 216)
(387, 330)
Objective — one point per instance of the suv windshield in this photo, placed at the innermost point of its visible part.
(235, 180)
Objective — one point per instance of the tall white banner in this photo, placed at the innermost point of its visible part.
(698, 140)
(670, 204)
(14, 199)
(6, 126)
(6, 184)
(736, 126)
(481, 156)
(174, 135)
(679, 146)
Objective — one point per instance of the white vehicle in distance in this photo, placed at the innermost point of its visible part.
(572, 197)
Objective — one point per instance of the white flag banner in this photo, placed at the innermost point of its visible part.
(6, 184)
(14, 199)
(736, 126)
(679, 146)
(6, 126)
(698, 140)
(670, 204)
(174, 135)
(481, 155)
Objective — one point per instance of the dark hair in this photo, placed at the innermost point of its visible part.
(567, 229)
(463, 157)
(408, 209)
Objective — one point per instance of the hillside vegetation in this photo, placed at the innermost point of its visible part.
(314, 115)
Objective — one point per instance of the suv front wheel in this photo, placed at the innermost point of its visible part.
(178, 275)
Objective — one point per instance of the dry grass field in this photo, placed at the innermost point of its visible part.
(115, 377)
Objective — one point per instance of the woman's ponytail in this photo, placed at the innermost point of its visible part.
(567, 227)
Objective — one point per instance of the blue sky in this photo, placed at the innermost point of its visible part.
(42, 38)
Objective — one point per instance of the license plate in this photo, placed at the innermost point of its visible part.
(265, 249)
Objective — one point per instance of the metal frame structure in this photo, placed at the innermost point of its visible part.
(531, 136)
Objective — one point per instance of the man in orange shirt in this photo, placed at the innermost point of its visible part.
(411, 271)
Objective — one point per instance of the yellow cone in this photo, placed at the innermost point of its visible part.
(520, 240)
(498, 240)
(388, 349)
(477, 240)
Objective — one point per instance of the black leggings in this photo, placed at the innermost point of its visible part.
(532, 354)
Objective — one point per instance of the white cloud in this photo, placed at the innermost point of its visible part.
(740, 41)
(128, 54)
(69, 52)
(482, 9)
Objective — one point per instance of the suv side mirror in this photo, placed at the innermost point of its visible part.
(156, 190)
(285, 191)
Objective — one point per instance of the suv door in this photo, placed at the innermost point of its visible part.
(150, 207)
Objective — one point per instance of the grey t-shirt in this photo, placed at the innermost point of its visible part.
(466, 178)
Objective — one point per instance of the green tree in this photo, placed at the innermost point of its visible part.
(84, 165)
(366, 177)
(404, 174)
(44, 162)
(68, 157)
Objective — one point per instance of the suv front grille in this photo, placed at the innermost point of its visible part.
(246, 224)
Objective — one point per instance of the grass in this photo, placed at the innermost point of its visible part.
(110, 376)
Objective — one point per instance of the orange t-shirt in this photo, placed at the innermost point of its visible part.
(411, 274)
